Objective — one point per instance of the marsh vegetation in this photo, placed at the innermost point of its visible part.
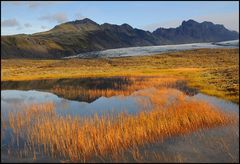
(160, 108)
(39, 130)
(212, 71)
(40, 133)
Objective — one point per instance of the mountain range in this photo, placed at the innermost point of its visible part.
(72, 38)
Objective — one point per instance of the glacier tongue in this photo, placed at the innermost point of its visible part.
(150, 50)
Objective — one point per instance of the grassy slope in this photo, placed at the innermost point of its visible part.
(213, 71)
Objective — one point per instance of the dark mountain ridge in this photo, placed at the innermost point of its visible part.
(85, 35)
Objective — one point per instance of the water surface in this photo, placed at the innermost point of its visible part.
(204, 145)
(15, 100)
(71, 96)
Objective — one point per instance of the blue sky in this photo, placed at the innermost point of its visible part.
(30, 17)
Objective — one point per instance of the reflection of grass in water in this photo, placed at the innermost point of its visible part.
(109, 137)
(134, 84)
(220, 144)
(64, 104)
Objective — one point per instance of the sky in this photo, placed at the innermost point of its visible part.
(35, 16)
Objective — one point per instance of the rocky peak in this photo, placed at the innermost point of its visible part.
(190, 22)
(83, 21)
(127, 26)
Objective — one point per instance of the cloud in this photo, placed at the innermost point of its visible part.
(27, 25)
(44, 27)
(229, 20)
(79, 16)
(35, 4)
(58, 17)
(9, 23)
(19, 28)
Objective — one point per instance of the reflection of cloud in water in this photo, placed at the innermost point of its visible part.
(16, 100)
(64, 104)
(116, 104)
(220, 103)
(11, 106)
(144, 102)
(137, 101)
(101, 106)
(31, 98)
(47, 95)
(23, 96)
(12, 100)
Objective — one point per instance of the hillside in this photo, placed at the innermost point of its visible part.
(85, 35)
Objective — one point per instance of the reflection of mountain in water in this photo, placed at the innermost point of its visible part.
(90, 89)
(73, 89)
(16, 100)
